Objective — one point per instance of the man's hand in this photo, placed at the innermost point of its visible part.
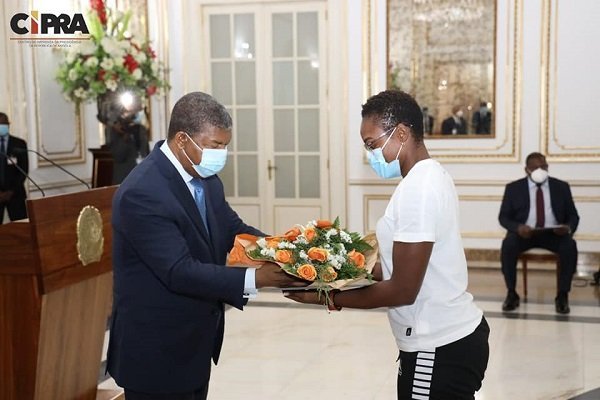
(524, 231)
(306, 296)
(271, 275)
(562, 230)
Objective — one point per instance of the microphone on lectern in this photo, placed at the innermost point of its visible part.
(53, 163)
(23, 172)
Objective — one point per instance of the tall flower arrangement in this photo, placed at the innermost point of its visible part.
(110, 59)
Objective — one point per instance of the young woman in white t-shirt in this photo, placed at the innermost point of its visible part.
(442, 335)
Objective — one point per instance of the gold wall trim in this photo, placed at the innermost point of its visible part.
(465, 182)
(548, 88)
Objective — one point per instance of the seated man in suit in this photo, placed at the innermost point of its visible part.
(12, 181)
(538, 211)
(172, 229)
(455, 124)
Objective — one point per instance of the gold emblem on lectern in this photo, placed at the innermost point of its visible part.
(90, 239)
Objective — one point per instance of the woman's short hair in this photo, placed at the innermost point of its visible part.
(393, 107)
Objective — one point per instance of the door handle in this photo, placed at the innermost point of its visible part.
(270, 168)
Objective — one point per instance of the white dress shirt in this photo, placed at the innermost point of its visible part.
(549, 218)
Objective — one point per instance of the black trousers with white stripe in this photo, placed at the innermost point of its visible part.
(451, 372)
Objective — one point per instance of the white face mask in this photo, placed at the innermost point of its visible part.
(459, 113)
(539, 176)
(213, 160)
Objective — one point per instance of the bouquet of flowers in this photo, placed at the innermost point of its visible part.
(320, 252)
(111, 58)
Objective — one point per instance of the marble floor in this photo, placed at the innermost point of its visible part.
(277, 349)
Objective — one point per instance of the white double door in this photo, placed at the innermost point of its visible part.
(266, 63)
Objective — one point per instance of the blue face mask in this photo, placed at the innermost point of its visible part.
(213, 160)
(3, 129)
(382, 168)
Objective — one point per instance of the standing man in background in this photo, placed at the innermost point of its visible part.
(456, 123)
(13, 150)
(538, 211)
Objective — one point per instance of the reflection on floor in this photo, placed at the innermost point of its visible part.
(277, 349)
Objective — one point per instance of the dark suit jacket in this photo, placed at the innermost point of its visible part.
(170, 283)
(13, 179)
(515, 204)
(449, 124)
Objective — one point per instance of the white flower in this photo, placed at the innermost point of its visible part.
(345, 237)
(262, 242)
(73, 75)
(303, 255)
(111, 85)
(136, 74)
(331, 232)
(80, 92)
(140, 57)
(107, 64)
(301, 240)
(91, 62)
(87, 47)
(112, 46)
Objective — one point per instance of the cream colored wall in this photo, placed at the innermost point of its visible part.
(546, 88)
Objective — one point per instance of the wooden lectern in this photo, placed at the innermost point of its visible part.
(53, 308)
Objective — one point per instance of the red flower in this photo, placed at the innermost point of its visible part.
(101, 74)
(150, 90)
(151, 52)
(100, 8)
(130, 63)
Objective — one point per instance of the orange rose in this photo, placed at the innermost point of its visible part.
(357, 258)
(323, 223)
(309, 234)
(307, 271)
(283, 256)
(292, 234)
(329, 275)
(318, 254)
(272, 242)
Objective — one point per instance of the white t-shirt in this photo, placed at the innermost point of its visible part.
(424, 208)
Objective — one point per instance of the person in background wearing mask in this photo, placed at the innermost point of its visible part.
(538, 211)
(172, 229)
(13, 150)
(440, 332)
(128, 145)
(455, 124)
(427, 122)
(482, 120)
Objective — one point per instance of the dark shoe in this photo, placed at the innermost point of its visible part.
(562, 303)
(512, 301)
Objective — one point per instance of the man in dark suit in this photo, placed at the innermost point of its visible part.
(172, 229)
(482, 120)
(12, 181)
(128, 145)
(538, 211)
(455, 124)
(427, 122)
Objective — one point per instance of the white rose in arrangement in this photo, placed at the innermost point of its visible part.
(107, 63)
(137, 74)
(80, 92)
(112, 47)
(73, 75)
(111, 85)
(140, 57)
(87, 47)
(91, 62)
